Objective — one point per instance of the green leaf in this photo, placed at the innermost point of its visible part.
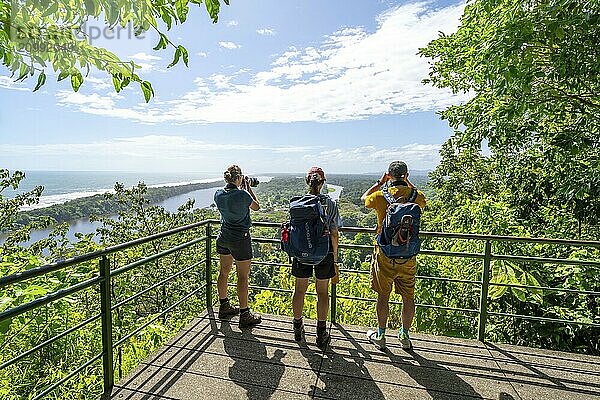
(5, 326)
(116, 83)
(496, 292)
(147, 89)
(176, 56)
(40, 82)
(162, 42)
(182, 8)
(76, 81)
(212, 6)
(52, 9)
(62, 75)
(5, 302)
(184, 54)
(34, 290)
(90, 7)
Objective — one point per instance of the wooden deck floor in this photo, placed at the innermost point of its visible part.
(213, 359)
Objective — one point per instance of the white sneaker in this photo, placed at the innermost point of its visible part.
(378, 341)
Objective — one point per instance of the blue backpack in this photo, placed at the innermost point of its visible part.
(399, 237)
(306, 235)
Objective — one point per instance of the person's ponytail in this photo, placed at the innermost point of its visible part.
(232, 174)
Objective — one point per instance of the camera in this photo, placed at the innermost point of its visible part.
(253, 182)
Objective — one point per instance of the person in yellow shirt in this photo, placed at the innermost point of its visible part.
(385, 272)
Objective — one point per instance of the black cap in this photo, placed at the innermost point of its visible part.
(397, 169)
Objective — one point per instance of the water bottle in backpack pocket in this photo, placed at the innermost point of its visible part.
(399, 237)
(306, 235)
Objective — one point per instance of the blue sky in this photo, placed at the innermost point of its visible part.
(274, 86)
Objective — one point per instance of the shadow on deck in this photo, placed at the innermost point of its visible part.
(213, 359)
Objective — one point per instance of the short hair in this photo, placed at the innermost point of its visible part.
(397, 169)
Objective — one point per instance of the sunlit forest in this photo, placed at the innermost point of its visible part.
(523, 161)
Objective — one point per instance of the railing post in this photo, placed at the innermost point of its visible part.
(208, 271)
(485, 284)
(107, 331)
(333, 312)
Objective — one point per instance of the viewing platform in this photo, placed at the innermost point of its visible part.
(213, 359)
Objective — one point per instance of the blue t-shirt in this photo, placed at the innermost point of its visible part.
(234, 206)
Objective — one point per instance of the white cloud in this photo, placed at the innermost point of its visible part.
(98, 83)
(202, 54)
(8, 83)
(229, 45)
(144, 57)
(266, 32)
(372, 158)
(353, 74)
(159, 147)
(233, 22)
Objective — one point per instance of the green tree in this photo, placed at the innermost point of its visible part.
(531, 70)
(36, 36)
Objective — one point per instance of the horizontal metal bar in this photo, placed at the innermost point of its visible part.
(458, 254)
(154, 257)
(49, 341)
(66, 378)
(450, 235)
(141, 328)
(547, 288)
(255, 287)
(156, 285)
(543, 319)
(372, 247)
(58, 265)
(13, 312)
(364, 272)
(547, 260)
(464, 310)
(437, 278)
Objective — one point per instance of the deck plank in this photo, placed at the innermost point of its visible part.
(213, 359)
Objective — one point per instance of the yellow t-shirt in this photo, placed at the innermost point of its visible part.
(377, 202)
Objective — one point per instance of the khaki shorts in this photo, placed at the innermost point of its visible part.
(400, 273)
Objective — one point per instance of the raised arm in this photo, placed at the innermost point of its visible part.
(255, 205)
(376, 186)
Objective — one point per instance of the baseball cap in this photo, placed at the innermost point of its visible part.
(397, 169)
(316, 170)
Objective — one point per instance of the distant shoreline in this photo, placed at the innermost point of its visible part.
(97, 204)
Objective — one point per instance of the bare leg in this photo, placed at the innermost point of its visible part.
(243, 271)
(298, 297)
(322, 299)
(383, 309)
(408, 312)
(226, 262)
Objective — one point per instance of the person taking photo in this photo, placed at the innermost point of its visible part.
(234, 243)
(386, 272)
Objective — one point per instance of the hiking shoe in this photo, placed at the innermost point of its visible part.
(323, 340)
(226, 310)
(378, 341)
(405, 340)
(248, 319)
(299, 334)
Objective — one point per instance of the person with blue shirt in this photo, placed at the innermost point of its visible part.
(325, 271)
(234, 243)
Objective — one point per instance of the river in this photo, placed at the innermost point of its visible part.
(203, 198)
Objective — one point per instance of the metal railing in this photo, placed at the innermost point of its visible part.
(104, 281)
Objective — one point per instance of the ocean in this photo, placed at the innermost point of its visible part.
(62, 186)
